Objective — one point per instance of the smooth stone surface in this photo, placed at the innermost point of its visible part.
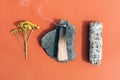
(50, 41)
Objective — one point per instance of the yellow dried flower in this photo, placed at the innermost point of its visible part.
(16, 31)
(28, 25)
(36, 27)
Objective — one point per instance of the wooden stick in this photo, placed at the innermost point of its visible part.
(62, 48)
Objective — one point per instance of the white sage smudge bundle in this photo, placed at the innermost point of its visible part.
(95, 52)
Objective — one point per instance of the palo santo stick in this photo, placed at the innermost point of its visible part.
(62, 48)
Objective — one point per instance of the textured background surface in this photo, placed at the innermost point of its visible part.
(39, 66)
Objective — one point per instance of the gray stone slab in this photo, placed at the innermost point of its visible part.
(50, 41)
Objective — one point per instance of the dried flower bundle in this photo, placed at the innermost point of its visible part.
(25, 29)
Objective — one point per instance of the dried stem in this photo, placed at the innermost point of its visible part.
(30, 35)
(26, 52)
(20, 42)
(26, 40)
(25, 44)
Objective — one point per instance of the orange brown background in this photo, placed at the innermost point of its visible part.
(46, 13)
